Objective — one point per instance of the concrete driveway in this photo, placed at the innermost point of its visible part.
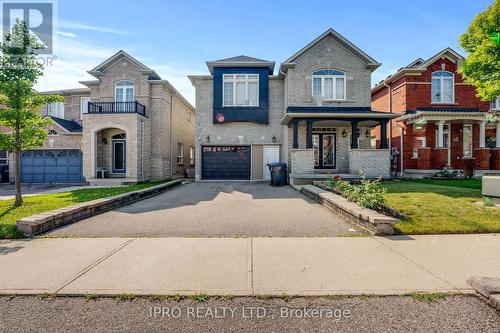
(216, 209)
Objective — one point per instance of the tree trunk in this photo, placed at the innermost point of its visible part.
(17, 178)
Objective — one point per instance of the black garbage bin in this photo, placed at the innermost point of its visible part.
(278, 173)
(4, 173)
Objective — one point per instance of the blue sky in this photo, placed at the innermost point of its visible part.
(175, 38)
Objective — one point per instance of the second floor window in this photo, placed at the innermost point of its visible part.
(124, 91)
(329, 84)
(495, 104)
(56, 109)
(443, 87)
(241, 90)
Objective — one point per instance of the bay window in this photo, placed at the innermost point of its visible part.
(240, 90)
(443, 87)
(329, 84)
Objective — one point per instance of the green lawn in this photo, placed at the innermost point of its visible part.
(441, 206)
(42, 203)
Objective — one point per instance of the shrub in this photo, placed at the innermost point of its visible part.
(367, 194)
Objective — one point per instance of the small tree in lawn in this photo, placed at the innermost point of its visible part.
(19, 71)
(482, 43)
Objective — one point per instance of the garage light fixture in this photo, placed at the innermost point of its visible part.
(208, 139)
(274, 139)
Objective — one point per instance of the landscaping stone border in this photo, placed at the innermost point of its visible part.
(374, 222)
(487, 287)
(46, 221)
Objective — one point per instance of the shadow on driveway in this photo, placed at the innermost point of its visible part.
(216, 209)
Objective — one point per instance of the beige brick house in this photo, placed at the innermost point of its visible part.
(305, 114)
(126, 126)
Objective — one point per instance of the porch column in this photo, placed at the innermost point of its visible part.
(498, 135)
(354, 135)
(309, 137)
(383, 134)
(440, 143)
(482, 134)
(295, 124)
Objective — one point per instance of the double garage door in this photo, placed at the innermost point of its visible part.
(226, 162)
(51, 166)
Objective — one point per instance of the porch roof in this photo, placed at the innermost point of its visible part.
(334, 113)
(437, 114)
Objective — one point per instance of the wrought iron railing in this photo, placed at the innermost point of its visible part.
(117, 107)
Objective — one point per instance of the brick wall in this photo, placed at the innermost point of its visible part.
(373, 162)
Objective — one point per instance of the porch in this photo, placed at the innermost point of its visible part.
(323, 144)
(456, 139)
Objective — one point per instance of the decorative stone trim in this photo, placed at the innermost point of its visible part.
(46, 221)
(374, 222)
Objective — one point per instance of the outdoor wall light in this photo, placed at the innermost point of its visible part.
(104, 141)
(274, 139)
(367, 133)
(344, 133)
(208, 139)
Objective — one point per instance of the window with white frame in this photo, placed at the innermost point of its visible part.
(191, 155)
(329, 84)
(56, 109)
(446, 136)
(180, 153)
(418, 142)
(4, 157)
(84, 105)
(495, 104)
(467, 140)
(124, 91)
(240, 90)
(443, 87)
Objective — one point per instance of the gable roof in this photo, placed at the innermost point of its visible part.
(241, 61)
(98, 70)
(371, 63)
(419, 65)
(69, 125)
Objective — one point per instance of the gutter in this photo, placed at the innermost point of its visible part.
(171, 135)
(390, 111)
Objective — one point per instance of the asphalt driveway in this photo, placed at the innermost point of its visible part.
(216, 209)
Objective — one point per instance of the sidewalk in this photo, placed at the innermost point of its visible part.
(247, 266)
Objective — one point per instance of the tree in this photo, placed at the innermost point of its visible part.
(482, 43)
(19, 72)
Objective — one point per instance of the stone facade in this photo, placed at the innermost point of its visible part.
(169, 119)
(371, 162)
(292, 87)
(331, 54)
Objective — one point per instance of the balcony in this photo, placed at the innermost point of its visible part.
(117, 107)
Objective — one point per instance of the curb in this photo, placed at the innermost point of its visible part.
(43, 222)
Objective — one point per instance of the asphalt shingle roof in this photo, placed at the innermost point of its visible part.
(70, 125)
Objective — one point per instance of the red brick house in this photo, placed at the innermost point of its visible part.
(442, 122)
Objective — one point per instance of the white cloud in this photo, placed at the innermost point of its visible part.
(67, 34)
(87, 27)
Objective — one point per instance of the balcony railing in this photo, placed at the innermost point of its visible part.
(117, 107)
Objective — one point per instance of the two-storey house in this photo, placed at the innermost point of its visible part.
(442, 122)
(314, 114)
(126, 126)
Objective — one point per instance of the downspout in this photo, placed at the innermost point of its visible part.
(142, 150)
(171, 135)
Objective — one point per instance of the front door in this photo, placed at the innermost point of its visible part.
(119, 156)
(271, 155)
(324, 150)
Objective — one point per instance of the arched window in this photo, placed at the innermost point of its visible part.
(120, 136)
(124, 91)
(329, 83)
(443, 87)
(52, 132)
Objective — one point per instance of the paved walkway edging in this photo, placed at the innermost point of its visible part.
(46, 221)
(374, 222)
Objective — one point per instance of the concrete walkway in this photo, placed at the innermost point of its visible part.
(246, 266)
